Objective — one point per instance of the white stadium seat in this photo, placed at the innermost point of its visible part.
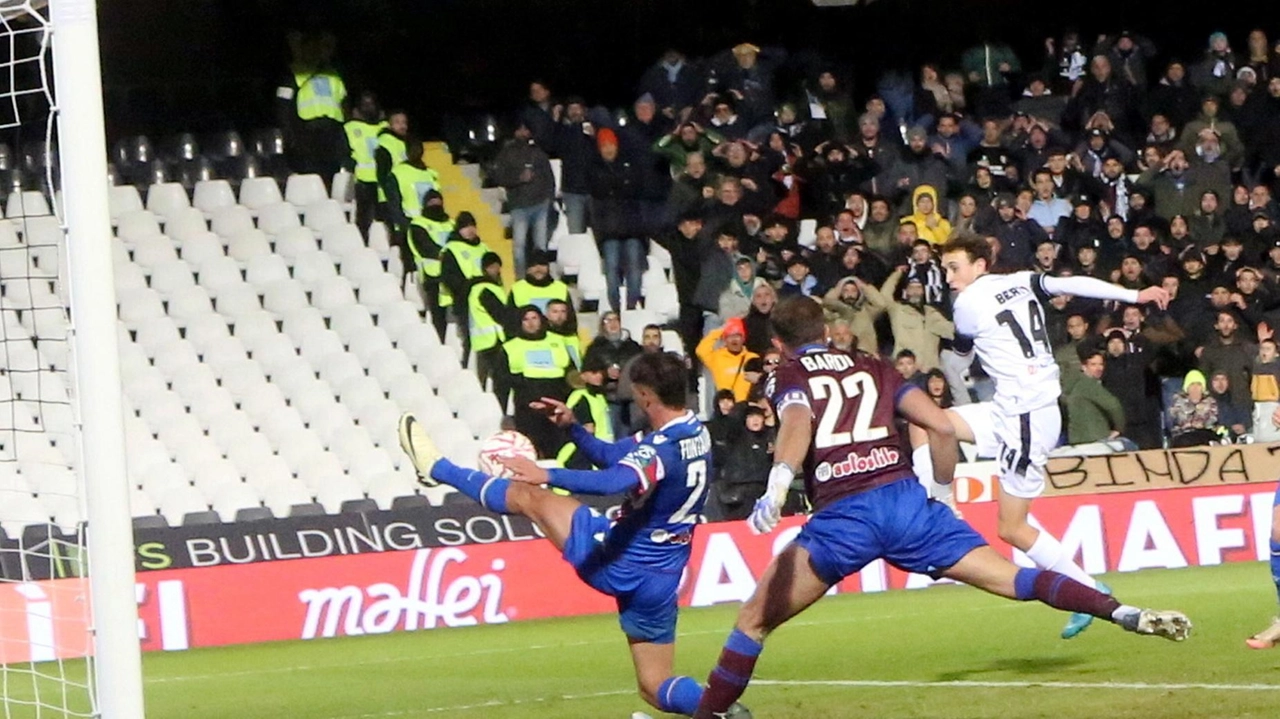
(294, 241)
(332, 294)
(380, 240)
(27, 203)
(333, 424)
(282, 426)
(266, 269)
(254, 328)
(232, 498)
(322, 215)
(180, 501)
(153, 250)
(167, 198)
(223, 353)
(302, 323)
(122, 199)
(242, 378)
(259, 192)
(212, 477)
(384, 488)
(311, 267)
(238, 300)
(400, 318)
(346, 320)
(189, 304)
(268, 472)
(200, 248)
(139, 306)
(203, 332)
(340, 240)
(261, 404)
(380, 292)
(339, 490)
(339, 367)
(171, 275)
(366, 343)
(408, 390)
(278, 218)
(230, 221)
(212, 194)
(154, 335)
(284, 296)
(247, 245)
(360, 265)
(219, 274)
(300, 447)
(137, 224)
(282, 496)
(185, 223)
(387, 364)
(303, 190)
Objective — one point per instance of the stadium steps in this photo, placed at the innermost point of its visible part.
(461, 190)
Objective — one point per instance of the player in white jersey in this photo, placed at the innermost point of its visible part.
(1003, 315)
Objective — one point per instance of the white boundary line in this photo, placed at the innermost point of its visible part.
(962, 684)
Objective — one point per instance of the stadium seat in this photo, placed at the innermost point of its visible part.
(179, 501)
(237, 301)
(27, 203)
(380, 292)
(212, 477)
(8, 236)
(230, 499)
(345, 445)
(311, 397)
(254, 328)
(249, 449)
(432, 412)
(321, 469)
(380, 240)
(410, 502)
(203, 332)
(294, 241)
(340, 240)
(319, 344)
(167, 198)
(399, 319)
(185, 223)
(409, 390)
(154, 335)
(366, 343)
(360, 265)
(388, 364)
(40, 231)
(310, 267)
(153, 250)
(247, 245)
(139, 306)
(266, 269)
(343, 188)
(188, 304)
(283, 296)
(222, 353)
(388, 487)
(278, 218)
(808, 234)
(439, 364)
(260, 405)
(332, 424)
(461, 390)
(334, 494)
(140, 503)
(304, 190)
(242, 378)
(302, 323)
(230, 221)
(368, 464)
(210, 195)
(381, 418)
(282, 427)
(219, 274)
(346, 320)
(200, 248)
(169, 276)
(267, 472)
(482, 415)
(259, 192)
(281, 497)
(323, 214)
(137, 224)
(122, 199)
(332, 294)
(357, 392)
(20, 511)
(339, 367)
(291, 377)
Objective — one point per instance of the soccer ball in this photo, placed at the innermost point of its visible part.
(507, 443)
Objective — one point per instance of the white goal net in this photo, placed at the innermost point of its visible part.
(51, 615)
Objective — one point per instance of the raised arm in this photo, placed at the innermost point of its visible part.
(1099, 290)
(600, 452)
(613, 480)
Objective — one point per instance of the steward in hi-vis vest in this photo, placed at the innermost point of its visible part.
(428, 235)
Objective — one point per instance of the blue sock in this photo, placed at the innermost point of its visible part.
(743, 644)
(679, 695)
(490, 492)
(1275, 565)
(1024, 584)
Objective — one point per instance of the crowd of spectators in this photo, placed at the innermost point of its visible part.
(1105, 159)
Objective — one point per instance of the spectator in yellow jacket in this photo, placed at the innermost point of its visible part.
(931, 224)
(725, 356)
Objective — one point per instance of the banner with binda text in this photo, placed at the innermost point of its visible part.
(437, 587)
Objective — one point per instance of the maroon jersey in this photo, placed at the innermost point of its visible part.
(852, 399)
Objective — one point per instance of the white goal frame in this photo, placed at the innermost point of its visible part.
(117, 654)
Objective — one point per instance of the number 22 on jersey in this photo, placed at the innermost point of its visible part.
(859, 386)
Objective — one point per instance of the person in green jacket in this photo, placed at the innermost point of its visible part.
(686, 139)
(1093, 413)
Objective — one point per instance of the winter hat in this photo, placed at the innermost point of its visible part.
(1195, 376)
(734, 326)
(465, 219)
(606, 136)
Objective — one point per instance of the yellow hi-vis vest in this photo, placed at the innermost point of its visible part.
(468, 257)
(439, 233)
(362, 137)
(537, 359)
(413, 183)
(525, 292)
(599, 407)
(399, 153)
(486, 332)
(319, 95)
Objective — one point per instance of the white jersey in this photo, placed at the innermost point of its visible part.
(1004, 316)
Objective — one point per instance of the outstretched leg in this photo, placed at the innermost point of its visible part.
(787, 587)
(987, 570)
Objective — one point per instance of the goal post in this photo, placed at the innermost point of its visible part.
(116, 650)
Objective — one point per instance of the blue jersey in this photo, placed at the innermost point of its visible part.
(658, 515)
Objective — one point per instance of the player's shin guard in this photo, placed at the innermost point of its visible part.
(1275, 565)
(1047, 553)
(491, 492)
(679, 695)
(730, 677)
(1062, 592)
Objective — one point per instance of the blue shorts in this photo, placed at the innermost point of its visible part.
(897, 522)
(1276, 502)
(646, 597)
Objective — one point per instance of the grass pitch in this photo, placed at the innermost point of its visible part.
(943, 652)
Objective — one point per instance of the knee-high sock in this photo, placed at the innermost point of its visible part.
(730, 677)
(1048, 553)
(490, 492)
(1061, 592)
(922, 465)
(679, 695)
(1275, 565)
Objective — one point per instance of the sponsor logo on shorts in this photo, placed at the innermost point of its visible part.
(855, 463)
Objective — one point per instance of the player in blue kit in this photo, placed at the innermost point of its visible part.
(836, 413)
(1269, 637)
(637, 559)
